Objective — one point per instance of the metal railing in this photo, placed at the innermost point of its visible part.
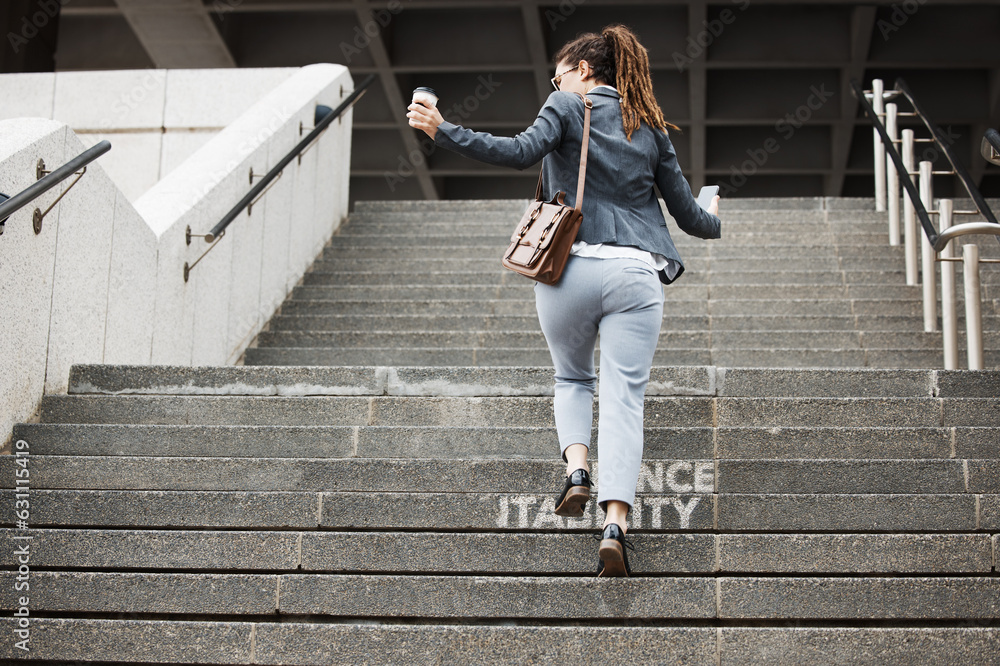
(936, 245)
(45, 181)
(991, 147)
(322, 119)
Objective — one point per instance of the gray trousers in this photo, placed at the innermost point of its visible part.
(622, 301)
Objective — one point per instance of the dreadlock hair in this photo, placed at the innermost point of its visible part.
(617, 57)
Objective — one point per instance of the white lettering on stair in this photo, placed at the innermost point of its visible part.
(668, 494)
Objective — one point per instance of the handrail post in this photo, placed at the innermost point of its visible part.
(878, 104)
(949, 316)
(892, 129)
(973, 314)
(909, 213)
(927, 251)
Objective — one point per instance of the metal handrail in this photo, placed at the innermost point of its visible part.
(966, 229)
(321, 123)
(991, 146)
(47, 182)
(938, 248)
(911, 190)
(939, 138)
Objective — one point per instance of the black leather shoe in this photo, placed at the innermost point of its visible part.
(575, 494)
(614, 552)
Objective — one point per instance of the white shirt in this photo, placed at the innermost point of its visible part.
(611, 251)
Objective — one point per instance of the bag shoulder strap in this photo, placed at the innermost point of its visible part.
(582, 177)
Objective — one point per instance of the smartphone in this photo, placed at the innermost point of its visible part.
(706, 195)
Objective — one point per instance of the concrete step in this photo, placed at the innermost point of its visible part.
(846, 358)
(339, 514)
(492, 249)
(488, 357)
(498, 239)
(485, 275)
(318, 305)
(336, 441)
(508, 553)
(497, 411)
(833, 283)
(660, 443)
(434, 356)
(443, 322)
(830, 204)
(349, 642)
(461, 322)
(506, 597)
(522, 380)
(671, 321)
(493, 275)
(775, 225)
(911, 309)
(523, 290)
(466, 206)
(927, 476)
(392, 306)
(669, 339)
(376, 410)
(450, 512)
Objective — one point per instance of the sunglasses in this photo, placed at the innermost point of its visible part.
(557, 79)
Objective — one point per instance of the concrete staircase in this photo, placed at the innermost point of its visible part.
(792, 283)
(813, 491)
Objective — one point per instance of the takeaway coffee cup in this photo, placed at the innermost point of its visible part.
(425, 96)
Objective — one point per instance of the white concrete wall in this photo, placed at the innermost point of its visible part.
(104, 281)
(156, 118)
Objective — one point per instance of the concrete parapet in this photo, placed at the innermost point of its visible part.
(104, 280)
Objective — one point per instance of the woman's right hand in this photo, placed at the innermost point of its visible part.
(426, 118)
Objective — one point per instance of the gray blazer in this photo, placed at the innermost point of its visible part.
(619, 204)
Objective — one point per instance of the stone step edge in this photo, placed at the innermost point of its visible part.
(461, 205)
(471, 381)
(394, 642)
(492, 512)
(500, 597)
(255, 642)
(710, 553)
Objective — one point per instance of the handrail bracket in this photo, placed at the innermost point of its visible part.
(262, 193)
(45, 180)
(189, 267)
(39, 215)
(323, 117)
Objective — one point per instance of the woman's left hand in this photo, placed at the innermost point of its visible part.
(424, 118)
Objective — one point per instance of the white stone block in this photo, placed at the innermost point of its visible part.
(124, 99)
(331, 190)
(301, 233)
(246, 236)
(83, 223)
(131, 288)
(277, 209)
(178, 145)
(216, 97)
(27, 95)
(332, 167)
(211, 290)
(214, 179)
(105, 279)
(173, 315)
(26, 262)
(133, 162)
